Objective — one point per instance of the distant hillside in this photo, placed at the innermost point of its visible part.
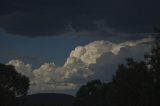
(46, 99)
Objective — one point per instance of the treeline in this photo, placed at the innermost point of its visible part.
(136, 83)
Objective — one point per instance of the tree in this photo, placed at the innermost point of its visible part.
(7, 98)
(12, 84)
(134, 84)
(92, 94)
(153, 61)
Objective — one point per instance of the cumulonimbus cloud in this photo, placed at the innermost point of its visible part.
(81, 65)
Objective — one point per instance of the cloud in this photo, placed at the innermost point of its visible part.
(21, 67)
(91, 52)
(34, 18)
(97, 60)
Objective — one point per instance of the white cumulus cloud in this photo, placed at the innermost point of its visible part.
(84, 63)
(21, 67)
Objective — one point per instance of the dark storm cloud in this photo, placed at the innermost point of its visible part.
(90, 17)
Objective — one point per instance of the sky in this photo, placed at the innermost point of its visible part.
(62, 44)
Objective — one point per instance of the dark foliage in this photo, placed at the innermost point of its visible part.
(12, 84)
(153, 61)
(134, 84)
(92, 94)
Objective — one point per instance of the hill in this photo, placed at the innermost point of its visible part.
(46, 99)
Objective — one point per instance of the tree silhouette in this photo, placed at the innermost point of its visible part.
(134, 84)
(92, 94)
(12, 84)
(153, 61)
(138, 83)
